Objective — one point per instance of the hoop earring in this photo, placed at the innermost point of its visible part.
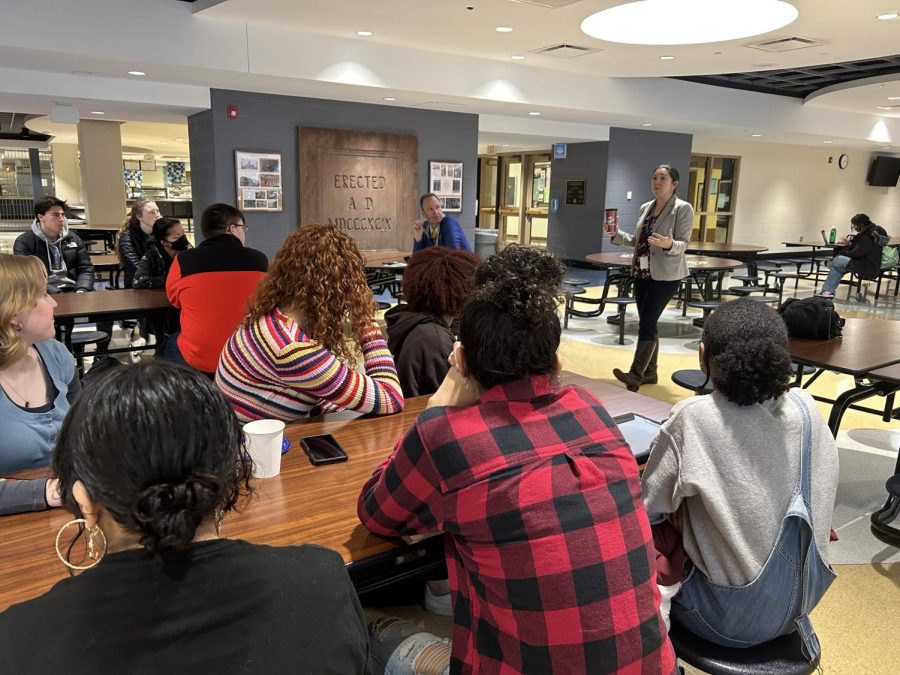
(218, 517)
(17, 327)
(467, 385)
(93, 554)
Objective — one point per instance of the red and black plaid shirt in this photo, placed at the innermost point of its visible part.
(550, 550)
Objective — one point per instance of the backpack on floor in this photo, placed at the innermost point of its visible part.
(890, 256)
(813, 317)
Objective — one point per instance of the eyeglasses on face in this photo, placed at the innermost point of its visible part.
(55, 214)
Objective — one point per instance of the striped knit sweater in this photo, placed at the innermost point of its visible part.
(271, 369)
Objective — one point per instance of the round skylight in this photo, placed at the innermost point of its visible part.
(688, 22)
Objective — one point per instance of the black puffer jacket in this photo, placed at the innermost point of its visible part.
(421, 344)
(75, 255)
(133, 244)
(864, 252)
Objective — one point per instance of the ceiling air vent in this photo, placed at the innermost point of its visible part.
(786, 44)
(549, 4)
(565, 51)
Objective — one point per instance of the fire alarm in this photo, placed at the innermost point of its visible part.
(232, 112)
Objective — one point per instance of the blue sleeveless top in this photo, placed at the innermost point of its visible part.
(28, 437)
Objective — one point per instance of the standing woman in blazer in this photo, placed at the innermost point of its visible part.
(660, 238)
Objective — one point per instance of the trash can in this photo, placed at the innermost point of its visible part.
(486, 242)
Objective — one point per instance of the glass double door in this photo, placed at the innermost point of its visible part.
(514, 196)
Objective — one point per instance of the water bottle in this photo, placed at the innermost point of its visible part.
(833, 236)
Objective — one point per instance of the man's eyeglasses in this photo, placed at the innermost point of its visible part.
(244, 225)
(55, 214)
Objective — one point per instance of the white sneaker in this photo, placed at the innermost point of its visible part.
(438, 603)
(136, 355)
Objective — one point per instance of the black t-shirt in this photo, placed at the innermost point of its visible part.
(235, 607)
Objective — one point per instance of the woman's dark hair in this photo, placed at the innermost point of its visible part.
(157, 471)
(439, 280)
(673, 172)
(510, 329)
(745, 351)
(861, 220)
(161, 228)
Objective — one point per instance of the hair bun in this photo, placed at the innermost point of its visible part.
(168, 514)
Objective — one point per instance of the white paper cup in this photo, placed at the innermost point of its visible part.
(264, 439)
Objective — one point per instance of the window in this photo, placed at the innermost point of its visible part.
(712, 190)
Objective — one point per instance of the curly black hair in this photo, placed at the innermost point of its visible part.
(745, 352)
(439, 280)
(156, 471)
(510, 330)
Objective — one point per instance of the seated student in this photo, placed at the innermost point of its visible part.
(168, 241)
(729, 465)
(548, 544)
(211, 284)
(861, 254)
(38, 382)
(164, 593)
(436, 285)
(312, 315)
(61, 251)
(135, 237)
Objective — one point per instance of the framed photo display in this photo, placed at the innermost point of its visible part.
(259, 181)
(445, 181)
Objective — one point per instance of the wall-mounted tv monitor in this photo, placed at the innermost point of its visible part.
(884, 171)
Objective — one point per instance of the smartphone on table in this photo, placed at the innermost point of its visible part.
(323, 449)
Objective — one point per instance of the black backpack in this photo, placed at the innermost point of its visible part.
(813, 317)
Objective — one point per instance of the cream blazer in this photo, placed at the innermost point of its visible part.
(677, 220)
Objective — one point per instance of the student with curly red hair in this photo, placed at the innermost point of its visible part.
(436, 285)
(311, 318)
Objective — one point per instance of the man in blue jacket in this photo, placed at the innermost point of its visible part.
(437, 229)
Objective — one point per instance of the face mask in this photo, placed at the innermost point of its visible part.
(180, 244)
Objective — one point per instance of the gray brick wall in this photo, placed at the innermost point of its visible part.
(269, 123)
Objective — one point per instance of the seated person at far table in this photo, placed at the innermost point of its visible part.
(726, 469)
(548, 545)
(436, 286)
(162, 591)
(62, 252)
(211, 284)
(167, 242)
(437, 229)
(38, 382)
(312, 316)
(861, 253)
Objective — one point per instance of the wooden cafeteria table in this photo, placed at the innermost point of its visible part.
(303, 504)
(105, 233)
(746, 253)
(865, 346)
(111, 305)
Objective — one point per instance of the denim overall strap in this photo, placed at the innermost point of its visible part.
(801, 505)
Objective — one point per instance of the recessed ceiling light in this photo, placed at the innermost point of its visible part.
(518, 57)
(890, 16)
(885, 107)
(689, 22)
(390, 98)
(893, 98)
(505, 145)
(97, 112)
(827, 142)
(365, 33)
(137, 73)
(504, 29)
(646, 124)
(535, 113)
(666, 58)
(755, 135)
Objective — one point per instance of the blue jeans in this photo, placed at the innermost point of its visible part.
(399, 647)
(836, 269)
(170, 350)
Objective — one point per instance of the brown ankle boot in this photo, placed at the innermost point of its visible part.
(634, 378)
(651, 375)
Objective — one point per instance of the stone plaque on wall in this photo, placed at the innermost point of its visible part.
(361, 182)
